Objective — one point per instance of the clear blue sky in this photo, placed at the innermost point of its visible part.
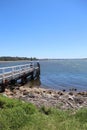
(43, 28)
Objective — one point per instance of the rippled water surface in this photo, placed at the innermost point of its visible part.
(64, 74)
(61, 74)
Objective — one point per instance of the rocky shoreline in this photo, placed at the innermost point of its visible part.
(49, 98)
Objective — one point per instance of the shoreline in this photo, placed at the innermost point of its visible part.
(48, 97)
(17, 61)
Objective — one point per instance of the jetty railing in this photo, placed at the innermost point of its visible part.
(13, 72)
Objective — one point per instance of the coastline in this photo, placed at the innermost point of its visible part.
(17, 61)
(50, 98)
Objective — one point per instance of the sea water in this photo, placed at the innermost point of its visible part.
(64, 74)
(60, 74)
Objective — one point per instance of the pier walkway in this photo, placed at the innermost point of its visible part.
(13, 73)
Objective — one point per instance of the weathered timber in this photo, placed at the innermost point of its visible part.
(10, 75)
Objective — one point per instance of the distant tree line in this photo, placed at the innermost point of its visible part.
(9, 58)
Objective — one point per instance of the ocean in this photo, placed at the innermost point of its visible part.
(60, 74)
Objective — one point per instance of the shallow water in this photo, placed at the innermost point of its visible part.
(60, 74)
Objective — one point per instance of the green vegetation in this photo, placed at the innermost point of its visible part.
(18, 115)
(9, 58)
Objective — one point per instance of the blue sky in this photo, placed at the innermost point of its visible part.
(43, 28)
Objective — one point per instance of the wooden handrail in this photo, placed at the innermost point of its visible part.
(15, 70)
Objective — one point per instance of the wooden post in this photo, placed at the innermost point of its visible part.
(13, 72)
(38, 72)
(23, 79)
(32, 75)
(2, 87)
(12, 84)
(3, 71)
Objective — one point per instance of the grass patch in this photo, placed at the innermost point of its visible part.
(18, 115)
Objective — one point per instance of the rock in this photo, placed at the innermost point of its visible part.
(44, 91)
(63, 90)
(70, 93)
(8, 92)
(30, 95)
(25, 93)
(21, 89)
(78, 100)
(71, 97)
(73, 89)
(48, 96)
(49, 91)
(56, 96)
(37, 92)
(82, 94)
(4, 94)
(16, 88)
(14, 91)
(60, 93)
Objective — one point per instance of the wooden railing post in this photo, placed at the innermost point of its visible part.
(13, 72)
(3, 72)
(19, 70)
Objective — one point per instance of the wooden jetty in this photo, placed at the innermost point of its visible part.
(10, 75)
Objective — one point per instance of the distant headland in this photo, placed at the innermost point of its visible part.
(16, 58)
(9, 58)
